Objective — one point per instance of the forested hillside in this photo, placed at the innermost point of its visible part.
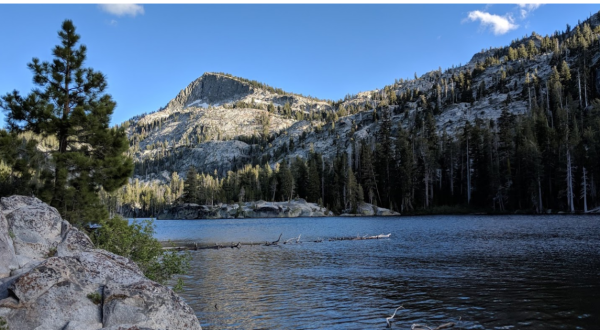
(516, 128)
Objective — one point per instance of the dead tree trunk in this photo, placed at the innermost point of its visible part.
(468, 175)
(570, 183)
(584, 190)
(540, 194)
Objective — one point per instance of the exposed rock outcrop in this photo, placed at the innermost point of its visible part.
(366, 209)
(54, 278)
(210, 88)
(261, 209)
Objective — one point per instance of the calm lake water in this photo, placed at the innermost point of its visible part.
(491, 272)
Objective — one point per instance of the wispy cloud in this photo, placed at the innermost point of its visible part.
(121, 9)
(526, 8)
(498, 24)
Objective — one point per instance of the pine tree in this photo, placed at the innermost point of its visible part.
(352, 191)
(367, 173)
(314, 182)
(385, 153)
(286, 180)
(191, 186)
(70, 104)
(300, 173)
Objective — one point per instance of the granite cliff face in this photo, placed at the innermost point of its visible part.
(52, 278)
(210, 89)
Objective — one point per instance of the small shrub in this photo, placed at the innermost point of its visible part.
(178, 287)
(51, 252)
(3, 324)
(11, 234)
(136, 242)
(95, 297)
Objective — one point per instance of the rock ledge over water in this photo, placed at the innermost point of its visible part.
(52, 277)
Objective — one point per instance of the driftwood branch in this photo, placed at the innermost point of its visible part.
(390, 319)
(417, 326)
(274, 242)
(292, 239)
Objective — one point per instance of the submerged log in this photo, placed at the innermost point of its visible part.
(182, 246)
(358, 238)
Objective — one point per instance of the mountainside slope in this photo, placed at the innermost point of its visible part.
(197, 126)
(516, 121)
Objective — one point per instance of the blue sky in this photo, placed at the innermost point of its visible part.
(150, 52)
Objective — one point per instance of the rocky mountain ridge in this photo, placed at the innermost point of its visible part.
(220, 122)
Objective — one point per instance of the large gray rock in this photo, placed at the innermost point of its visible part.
(36, 229)
(8, 259)
(211, 88)
(146, 304)
(80, 287)
(366, 209)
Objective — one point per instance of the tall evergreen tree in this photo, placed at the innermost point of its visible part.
(314, 182)
(286, 180)
(70, 104)
(191, 186)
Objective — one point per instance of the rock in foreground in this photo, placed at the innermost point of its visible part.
(52, 277)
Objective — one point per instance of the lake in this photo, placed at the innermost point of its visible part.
(482, 272)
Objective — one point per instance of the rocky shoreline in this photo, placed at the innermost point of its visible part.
(261, 209)
(52, 278)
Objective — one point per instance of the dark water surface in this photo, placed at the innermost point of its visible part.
(492, 272)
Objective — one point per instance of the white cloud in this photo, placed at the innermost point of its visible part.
(121, 9)
(499, 24)
(527, 8)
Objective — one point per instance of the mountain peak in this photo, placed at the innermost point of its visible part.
(211, 88)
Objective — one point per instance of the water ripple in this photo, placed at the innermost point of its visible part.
(516, 272)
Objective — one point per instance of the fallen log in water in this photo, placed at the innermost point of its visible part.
(359, 238)
(197, 246)
(182, 246)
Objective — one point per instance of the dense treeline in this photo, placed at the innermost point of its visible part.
(546, 158)
(513, 163)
